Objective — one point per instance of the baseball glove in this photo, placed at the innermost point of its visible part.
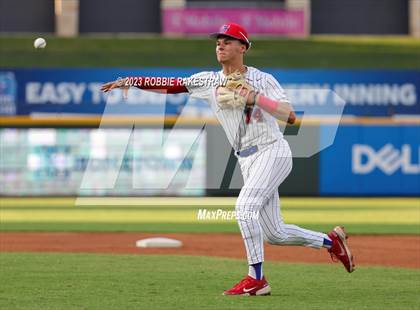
(234, 94)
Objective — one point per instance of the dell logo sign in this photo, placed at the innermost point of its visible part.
(388, 159)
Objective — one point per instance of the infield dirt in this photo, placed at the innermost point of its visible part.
(392, 251)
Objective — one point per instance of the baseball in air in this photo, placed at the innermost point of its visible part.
(40, 43)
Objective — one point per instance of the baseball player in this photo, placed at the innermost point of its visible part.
(248, 104)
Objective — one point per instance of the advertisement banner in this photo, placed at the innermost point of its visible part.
(202, 21)
(77, 91)
(372, 160)
(364, 92)
(320, 92)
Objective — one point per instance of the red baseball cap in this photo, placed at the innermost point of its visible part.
(234, 31)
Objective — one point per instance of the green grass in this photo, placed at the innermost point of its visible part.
(359, 215)
(314, 52)
(89, 281)
(360, 229)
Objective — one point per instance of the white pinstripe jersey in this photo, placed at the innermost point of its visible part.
(262, 127)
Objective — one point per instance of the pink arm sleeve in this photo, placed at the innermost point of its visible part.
(278, 109)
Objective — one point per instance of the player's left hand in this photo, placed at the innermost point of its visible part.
(227, 99)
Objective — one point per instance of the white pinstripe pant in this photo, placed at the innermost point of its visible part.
(263, 172)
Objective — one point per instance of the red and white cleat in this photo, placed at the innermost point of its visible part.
(250, 287)
(340, 249)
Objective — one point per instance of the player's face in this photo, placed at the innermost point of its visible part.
(228, 49)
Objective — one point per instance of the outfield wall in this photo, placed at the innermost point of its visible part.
(49, 136)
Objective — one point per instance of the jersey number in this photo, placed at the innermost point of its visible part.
(255, 114)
